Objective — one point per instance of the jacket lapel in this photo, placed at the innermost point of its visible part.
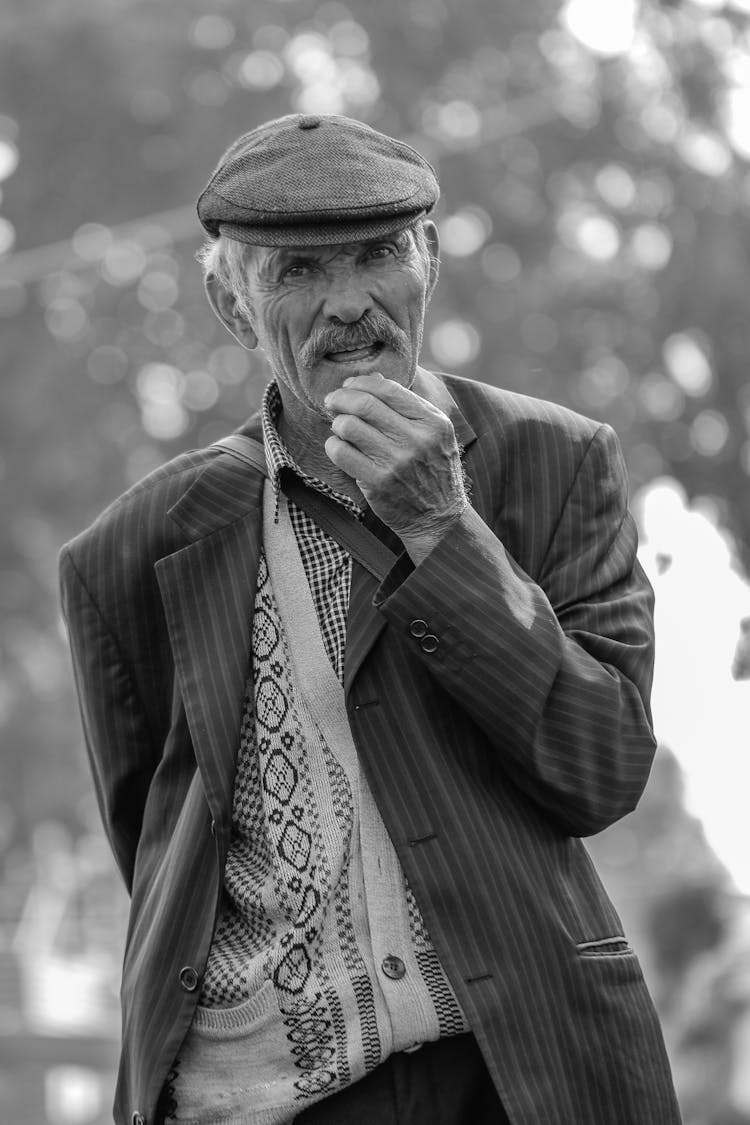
(365, 622)
(208, 589)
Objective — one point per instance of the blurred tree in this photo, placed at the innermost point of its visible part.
(679, 908)
(741, 661)
(596, 248)
(684, 922)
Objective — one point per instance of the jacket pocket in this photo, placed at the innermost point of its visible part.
(616, 946)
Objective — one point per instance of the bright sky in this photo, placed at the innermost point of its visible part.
(700, 712)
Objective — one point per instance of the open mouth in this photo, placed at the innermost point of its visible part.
(356, 355)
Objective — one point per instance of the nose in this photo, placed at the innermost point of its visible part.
(346, 299)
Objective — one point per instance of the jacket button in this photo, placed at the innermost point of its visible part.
(393, 967)
(189, 978)
(138, 1118)
(418, 628)
(429, 643)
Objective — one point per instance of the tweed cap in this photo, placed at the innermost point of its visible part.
(305, 179)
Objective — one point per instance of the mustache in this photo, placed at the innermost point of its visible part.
(372, 328)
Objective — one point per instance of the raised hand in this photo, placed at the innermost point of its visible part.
(402, 452)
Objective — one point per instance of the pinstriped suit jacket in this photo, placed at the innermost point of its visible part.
(526, 728)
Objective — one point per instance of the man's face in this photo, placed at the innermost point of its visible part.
(324, 313)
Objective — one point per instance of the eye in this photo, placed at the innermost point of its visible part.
(381, 252)
(298, 270)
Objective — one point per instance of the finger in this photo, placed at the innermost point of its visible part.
(361, 404)
(369, 439)
(350, 460)
(388, 391)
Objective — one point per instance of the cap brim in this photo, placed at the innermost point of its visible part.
(320, 234)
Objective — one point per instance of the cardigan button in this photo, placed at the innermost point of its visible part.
(188, 978)
(393, 967)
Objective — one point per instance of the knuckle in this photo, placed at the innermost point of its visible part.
(343, 425)
(359, 402)
(366, 405)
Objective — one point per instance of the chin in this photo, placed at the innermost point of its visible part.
(399, 369)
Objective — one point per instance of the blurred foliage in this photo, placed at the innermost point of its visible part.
(594, 225)
(593, 159)
(693, 937)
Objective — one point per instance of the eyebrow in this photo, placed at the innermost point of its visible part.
(293, 253)
(283, 255)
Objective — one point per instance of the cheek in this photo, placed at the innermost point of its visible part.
(408, 307)
(285, 327)
(404, 295)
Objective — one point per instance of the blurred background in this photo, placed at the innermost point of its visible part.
(594, 157)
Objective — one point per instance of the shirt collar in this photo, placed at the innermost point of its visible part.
(278, 456)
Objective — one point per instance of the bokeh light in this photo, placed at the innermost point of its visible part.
(160, 387)
(593, 234)
(705, 151)
(123, 262)
(458, 121)
(616, 186)
(465, 231)
(688, 363)
(455, 343)
(607, 29)
(660, 398)
(709, 431)
(9, 157)
(260, 70)
(212, 32)
(650, 246)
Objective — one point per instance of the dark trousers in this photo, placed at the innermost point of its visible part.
(443, 1083)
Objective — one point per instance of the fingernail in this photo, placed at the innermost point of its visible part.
(346, 382)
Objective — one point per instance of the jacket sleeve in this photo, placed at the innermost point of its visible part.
(114, 723)
(556, 671)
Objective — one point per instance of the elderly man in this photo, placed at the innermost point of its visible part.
(353, 683)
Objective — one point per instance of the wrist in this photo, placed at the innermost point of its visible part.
(421, 540)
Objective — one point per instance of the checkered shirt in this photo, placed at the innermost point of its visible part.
(327, 565)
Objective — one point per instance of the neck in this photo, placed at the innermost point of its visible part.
(304, 433)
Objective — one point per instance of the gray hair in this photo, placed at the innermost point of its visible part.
(227, 260)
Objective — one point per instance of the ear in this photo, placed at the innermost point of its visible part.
(224, 305)
(433, 245)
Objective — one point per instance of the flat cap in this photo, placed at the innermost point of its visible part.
(306, 179)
